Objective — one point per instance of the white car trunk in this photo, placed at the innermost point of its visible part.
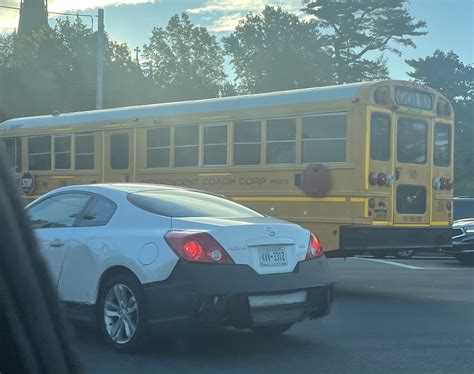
(267, 245)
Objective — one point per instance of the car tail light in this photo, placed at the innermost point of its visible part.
(197, 247)
(436, 183)
(315, 249)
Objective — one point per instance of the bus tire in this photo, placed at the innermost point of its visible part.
(404, 253)
(378, 254)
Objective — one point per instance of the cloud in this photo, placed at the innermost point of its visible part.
(243, 6)
(9, 17)
(229, 12)
(77, 5)
(225, 23)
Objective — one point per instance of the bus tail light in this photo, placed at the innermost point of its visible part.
(372, 203)
(315, 249)
(389, 180)
(382, 179)
(373, 179)
(449, 184)
(197, 247)
(442, 183)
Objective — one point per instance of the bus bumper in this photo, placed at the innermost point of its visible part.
(358, 239)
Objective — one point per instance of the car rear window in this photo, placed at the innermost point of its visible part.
(189, 204)
(463, 208)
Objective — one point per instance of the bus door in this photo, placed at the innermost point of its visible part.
(412, 170)
(118, 159)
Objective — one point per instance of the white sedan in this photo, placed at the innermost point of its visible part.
(139, 258)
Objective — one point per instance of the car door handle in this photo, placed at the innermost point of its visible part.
(56, 243)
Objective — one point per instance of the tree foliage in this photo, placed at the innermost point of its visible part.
(355, 30)
(275, 50)
(55, 70)
(184, 60)
(447, 74)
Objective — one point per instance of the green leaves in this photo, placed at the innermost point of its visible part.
(184, 61)
(353, 29)
(276, 50)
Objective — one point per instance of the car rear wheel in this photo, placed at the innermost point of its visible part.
(121, 313)
(404, 253)
(275, 329)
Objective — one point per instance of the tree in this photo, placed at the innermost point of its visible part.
(185, 61)
(354, 30)
(27, 84)
(447, 74)
(275, 50)
(55, 70)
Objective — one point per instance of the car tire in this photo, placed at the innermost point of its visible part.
(121, 313)
(378, 254)
(404, 253)
(270, 330)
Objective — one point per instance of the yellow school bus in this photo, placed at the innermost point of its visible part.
(366, 166)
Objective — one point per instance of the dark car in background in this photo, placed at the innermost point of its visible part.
(463, 229)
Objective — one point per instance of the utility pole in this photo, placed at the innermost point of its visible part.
(99, 100)
(137, 51)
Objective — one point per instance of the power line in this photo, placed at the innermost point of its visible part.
(91, 16)
(9, 7)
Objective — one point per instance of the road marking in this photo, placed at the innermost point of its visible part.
(389, 263)
(402, 265)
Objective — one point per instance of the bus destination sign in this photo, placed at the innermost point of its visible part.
(413, 98)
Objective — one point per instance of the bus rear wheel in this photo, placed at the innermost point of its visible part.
(378, 254)
(404, 253)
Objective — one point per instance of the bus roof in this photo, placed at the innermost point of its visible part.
(299, 96)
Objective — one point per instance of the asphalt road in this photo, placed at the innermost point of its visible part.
(390, 316)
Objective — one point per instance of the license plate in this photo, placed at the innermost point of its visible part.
(272, 257)
(274, 300)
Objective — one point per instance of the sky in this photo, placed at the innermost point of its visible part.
(450, 23)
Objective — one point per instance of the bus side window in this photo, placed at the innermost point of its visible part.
(247, 142)
(119, 151)
(84, 154)
(324, 138)
(442, 144)
(39, 153)
(186, 145)
(10, 150)
(158, 147)
(62, 152)
(281, 141)
(215, 144)
(380, 137)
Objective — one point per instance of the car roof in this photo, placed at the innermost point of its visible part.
(109, 189)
